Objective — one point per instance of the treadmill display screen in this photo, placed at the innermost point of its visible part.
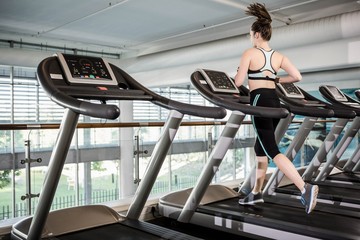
(219, 82)
(86, 70)
(336, 93)
(290, 90)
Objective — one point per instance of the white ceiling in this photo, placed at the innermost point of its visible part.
(138, 27)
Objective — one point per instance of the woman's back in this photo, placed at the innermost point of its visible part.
(254, 59)
(266, 67)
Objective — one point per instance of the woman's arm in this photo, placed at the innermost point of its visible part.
(294, 74)
(243, 68)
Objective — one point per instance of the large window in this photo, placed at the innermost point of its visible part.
(92, 171)
(98, 156)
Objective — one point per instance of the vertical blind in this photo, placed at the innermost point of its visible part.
(22, 100)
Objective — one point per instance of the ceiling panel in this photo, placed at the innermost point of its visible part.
(146, 26)
(38, 16)
(135, 22)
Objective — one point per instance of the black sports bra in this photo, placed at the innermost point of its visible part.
(259, 74)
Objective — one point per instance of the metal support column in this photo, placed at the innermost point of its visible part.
(210, 169)
(156, 161)
(137, 153)
(324, 149)
(137, 160)
(353, 160)
(339, 150)
(57, 161)
(27, 161)
(357, 166)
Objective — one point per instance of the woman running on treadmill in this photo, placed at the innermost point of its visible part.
(260, 65)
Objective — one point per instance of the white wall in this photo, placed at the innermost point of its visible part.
(324, 44)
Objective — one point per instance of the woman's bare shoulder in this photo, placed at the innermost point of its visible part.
(278, 54)
(250, 52)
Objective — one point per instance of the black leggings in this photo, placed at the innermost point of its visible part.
(265, 144)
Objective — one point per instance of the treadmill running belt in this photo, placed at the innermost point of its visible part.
(350, 177)
(285, 218)
(114, 232)
(127, 230)
(329, 192)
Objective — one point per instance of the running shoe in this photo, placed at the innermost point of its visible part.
(251, 199)
(309, 198)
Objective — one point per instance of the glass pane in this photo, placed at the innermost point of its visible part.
(6, 194)
(5, 103)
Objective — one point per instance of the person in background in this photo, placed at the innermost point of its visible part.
(260, 65)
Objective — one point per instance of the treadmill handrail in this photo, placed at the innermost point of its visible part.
(338, 104)
(303, 110)
(185, 108)
(338, 112)
(237, 106)
(136, 92)
(78, 106)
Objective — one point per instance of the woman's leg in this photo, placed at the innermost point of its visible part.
(309, 192)
(262, 165)
(288, 168)
(256, 196)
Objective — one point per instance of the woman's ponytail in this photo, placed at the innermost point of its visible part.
(263, 21)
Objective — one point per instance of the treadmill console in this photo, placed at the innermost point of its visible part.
(336, 93)
(86, 70)
(219, 82)
(290, 90)
(86, 77)
(357, 94)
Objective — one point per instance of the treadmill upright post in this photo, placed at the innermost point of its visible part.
(353, 160)
(291, 152)
(217, 154)
(357, 166)
(339, 150)
(157, 158)
(57, 161)
(324, 149)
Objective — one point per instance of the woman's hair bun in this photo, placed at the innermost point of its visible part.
(263, 21)
(259, 11)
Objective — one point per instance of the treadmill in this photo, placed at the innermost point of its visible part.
(347, 172)
(216, 206)
(72, 81)
(332, 92)
(357, 166)
(345, 196)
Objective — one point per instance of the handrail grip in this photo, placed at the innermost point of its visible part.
(44, 126)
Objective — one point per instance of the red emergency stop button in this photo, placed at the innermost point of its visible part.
(102, 88)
